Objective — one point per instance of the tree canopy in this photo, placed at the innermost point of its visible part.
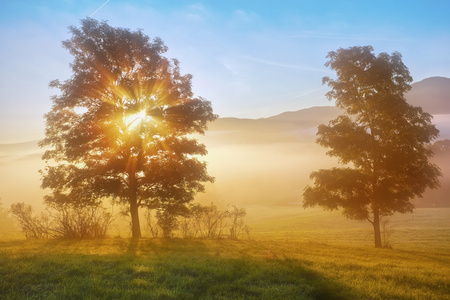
(380, 139)
(121, 126)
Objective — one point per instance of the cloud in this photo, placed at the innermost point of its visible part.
(288, 66)
(196, 13)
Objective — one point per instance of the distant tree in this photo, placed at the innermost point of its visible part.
(6, 223)
(380, 137)
(121, 126)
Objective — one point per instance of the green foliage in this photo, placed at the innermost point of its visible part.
(119, 126)
(380, 136)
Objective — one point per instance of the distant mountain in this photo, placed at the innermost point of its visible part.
(285, 127)
(432, 94)
(441, 196)
(263, 161)
(268, 160)
(17, 147)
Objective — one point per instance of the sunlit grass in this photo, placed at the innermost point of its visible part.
(426, 229)
(291, 254)
(205, 269)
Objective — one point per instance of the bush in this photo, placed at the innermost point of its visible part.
(81, 222)
(152, 227)
(202, 221)
(207, 221)
(237, 216)
(32, 226)
(167, 222)
(63, 221)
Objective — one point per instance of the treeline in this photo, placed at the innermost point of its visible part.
(88, 222)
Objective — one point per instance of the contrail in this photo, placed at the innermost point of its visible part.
(98, 9)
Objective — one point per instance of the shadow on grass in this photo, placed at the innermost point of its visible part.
(166, 269)
(133, 246)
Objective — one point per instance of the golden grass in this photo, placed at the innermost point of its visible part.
(291, 254)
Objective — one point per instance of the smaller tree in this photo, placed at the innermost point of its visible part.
(380, 137)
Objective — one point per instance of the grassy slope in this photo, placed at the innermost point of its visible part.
(293, 254)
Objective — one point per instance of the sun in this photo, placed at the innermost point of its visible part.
(133, 120)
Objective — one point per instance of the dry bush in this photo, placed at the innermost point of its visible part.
(211, 222)
(36, 227)
(63, 221)
(151, 227)
(80, 222)
(202, 221)
(186, 228)
(208, 221)
(237, 216)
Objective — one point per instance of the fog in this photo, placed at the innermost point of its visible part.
(255, 162)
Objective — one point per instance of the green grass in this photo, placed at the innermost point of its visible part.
(216, 269)
(292, 254)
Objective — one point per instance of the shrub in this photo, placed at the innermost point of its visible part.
(208, 221)
(32, 226)
(63, 221)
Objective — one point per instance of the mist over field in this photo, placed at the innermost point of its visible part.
(184, 146)
(255, 161)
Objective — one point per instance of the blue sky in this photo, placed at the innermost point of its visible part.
(251, 59)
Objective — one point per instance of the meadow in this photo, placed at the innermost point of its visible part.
(291, 253)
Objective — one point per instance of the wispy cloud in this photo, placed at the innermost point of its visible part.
(288, 66)
(196, 13)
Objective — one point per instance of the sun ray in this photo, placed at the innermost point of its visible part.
(133, 120)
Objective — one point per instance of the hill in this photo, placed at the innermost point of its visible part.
(432, 94)
(269, 160)
(263, 161)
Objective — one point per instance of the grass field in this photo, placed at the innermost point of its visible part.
(290, 255)
(426, 229)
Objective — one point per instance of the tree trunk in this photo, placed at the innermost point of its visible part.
(135, 225)
(376, 228)
(134, 207)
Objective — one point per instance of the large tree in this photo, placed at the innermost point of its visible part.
(121, 126)
(380, 139)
